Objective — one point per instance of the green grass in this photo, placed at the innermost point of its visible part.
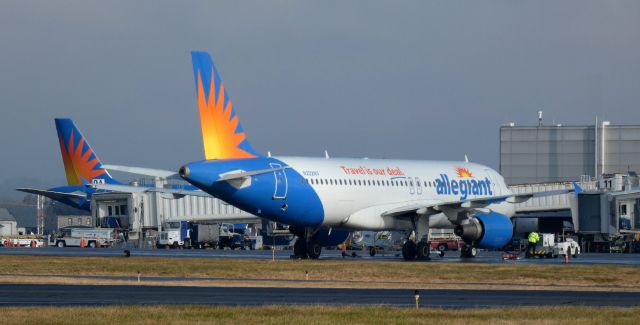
(314, 315)
(363, 272)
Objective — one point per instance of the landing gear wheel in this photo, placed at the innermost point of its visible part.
(442, 247)
(300, 248)
(409, 250)
(92, 244)
(468, 252)
(423, 251)
(314, 250)
(372, 251)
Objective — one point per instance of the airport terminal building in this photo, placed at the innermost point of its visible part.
(558, 153)
(603, 158)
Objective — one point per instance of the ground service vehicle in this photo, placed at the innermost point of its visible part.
(76, 237)
(568, 247)
(544, 247)
(186, 234)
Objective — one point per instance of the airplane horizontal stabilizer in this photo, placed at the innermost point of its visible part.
(243, 174)
(54, 195)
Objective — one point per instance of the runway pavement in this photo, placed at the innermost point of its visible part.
(70, 295)
(483, 256)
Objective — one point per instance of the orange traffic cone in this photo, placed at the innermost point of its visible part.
(82, 243)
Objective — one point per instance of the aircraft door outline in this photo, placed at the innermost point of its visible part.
(281, 183)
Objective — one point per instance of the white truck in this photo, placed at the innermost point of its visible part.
(74, 237)
(567, 247)
(185, 234)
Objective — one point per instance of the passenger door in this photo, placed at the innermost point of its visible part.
(418, 186)
(281, 186)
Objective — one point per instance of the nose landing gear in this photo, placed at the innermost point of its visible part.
(304, 247)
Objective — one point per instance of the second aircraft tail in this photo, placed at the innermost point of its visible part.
(81, 164)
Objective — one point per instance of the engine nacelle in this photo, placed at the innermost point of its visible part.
(486, 230)
(336, 237)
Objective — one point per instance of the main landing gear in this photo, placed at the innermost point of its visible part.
(468, 251)
(420, 248)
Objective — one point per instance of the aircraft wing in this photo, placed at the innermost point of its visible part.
(142, 171)
(470, 204)
(54, 195)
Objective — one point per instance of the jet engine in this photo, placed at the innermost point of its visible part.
(486, 230)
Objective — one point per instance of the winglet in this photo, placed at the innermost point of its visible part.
(576, 188)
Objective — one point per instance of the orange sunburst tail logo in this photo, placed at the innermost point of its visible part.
(222, 134)
(81, 165)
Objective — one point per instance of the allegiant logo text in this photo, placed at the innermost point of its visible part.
(463, 187)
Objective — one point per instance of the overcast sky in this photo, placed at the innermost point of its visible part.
(388, 79)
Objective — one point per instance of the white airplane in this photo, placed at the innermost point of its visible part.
(324, 199)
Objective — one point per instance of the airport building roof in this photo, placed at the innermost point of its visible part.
(5, 215)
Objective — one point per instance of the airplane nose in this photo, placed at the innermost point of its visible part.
(184, 172)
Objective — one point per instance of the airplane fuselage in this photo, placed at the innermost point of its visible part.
(345, 192)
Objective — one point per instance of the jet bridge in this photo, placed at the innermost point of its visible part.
(141, 214)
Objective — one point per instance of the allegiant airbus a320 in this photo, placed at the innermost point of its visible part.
(323, 199)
